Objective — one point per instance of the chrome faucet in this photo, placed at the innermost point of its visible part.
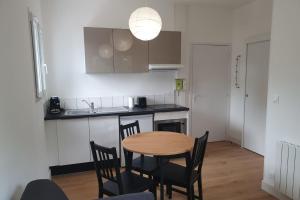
(91, 105)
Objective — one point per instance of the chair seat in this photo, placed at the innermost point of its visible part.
(132, 183)
(174, 174)
(146, 165)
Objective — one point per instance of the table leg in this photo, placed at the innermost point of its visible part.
(128, 161)
(161, 178)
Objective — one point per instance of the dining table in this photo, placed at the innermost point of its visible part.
(160, 144)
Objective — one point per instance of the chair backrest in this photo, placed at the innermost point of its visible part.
(129, 129)
(198, 156)
(106, 162)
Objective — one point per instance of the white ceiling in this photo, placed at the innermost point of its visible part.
(224, 3)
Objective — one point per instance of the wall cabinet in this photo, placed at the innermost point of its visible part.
(166, 48)
(130, 54)
(118, 51)
(98, 45)
(73, 141)
(105, 131)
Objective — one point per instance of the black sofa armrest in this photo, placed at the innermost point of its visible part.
(43, 189)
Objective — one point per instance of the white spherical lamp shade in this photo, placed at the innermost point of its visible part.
(145, 23)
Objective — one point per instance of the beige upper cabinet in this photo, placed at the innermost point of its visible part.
(118, 51)
(99, 51)
(166, 48)
(130, 54)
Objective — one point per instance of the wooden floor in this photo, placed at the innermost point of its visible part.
(229, 173)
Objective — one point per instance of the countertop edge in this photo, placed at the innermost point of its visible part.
(61, 116)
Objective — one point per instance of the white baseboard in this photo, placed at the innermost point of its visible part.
(271, 190)
(235, 141)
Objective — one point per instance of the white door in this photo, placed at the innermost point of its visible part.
(211, 80)
(256, 96)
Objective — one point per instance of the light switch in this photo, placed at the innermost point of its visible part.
(276, 99)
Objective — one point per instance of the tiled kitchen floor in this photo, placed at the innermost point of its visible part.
(229, 173)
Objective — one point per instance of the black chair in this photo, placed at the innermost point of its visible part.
(106, 163)
(143, 164)
(185, 177)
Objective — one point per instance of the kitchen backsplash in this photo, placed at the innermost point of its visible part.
(115, 101)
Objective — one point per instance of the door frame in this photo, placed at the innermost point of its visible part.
(191, 81)
(250, 40)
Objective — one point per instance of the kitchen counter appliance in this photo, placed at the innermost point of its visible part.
(172, 125)
(54, 105)
(141, 102)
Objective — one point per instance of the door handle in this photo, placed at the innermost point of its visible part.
(247, 95)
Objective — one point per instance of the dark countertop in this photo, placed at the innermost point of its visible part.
(151, 109)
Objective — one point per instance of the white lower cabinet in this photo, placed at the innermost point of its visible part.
(68, 140)
(146, 125)
(52, 142)
(105, 131)
(145, 121)
(73, 141)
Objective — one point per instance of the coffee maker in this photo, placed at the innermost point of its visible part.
(54, 105)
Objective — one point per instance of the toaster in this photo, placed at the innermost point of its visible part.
(141, 102)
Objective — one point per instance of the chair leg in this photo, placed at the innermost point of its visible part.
(200, 188)
(190, 193)
(100, 194)
(153, 190)
(169, 191)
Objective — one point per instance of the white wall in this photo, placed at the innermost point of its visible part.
(63, 26)
(22, 137)
(200, 23)
(251, 20)
(209, 24)
(284, 80)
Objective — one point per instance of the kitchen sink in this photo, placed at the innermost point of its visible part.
(111, 110)
(78, 112)
(96, 111)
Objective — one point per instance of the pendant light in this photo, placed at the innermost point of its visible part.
(145, 23)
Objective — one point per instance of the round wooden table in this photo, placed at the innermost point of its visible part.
(160, 144)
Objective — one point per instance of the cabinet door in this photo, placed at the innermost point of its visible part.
(105, 131)
(146, 125)
(98, 50)
(145, 121)
(52, 142)
(130, 54)
(166, 48)
(73, 141)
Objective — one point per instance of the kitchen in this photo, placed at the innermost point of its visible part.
(209, 72)
(133, 68)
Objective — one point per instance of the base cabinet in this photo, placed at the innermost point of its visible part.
(73, 141)
(105, 131)
(68, 141)
(146, 125)
(52, 142)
